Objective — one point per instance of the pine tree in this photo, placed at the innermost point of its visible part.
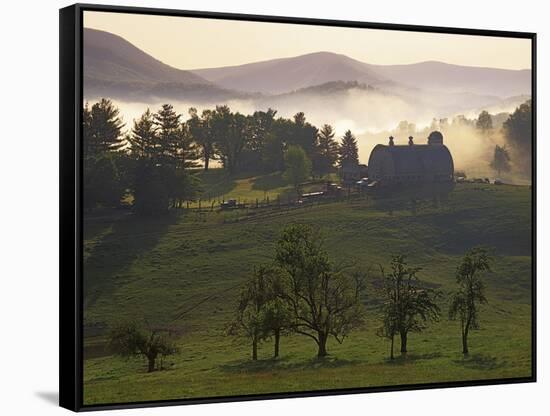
(327, 150)
(104, 129)
(87, 142)
(167, 123)
(348, 151)
(143, 138)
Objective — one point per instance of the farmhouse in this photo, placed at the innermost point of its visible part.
(411, 163)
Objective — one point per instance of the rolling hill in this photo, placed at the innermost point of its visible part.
(328, 87)
(441, 76)
(114, 67)
(287, 74)
(155, 268)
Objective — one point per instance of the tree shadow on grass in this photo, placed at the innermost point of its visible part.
(411, 358)
(220, 188)
(480, 362)
(131, 237)
(269, 182)
(271, 364)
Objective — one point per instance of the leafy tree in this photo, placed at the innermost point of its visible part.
(103, 129)
(303, 134)
(103, 184)
(407, 304)
(200, 129)
(327, 150)
(274, 147)
(461, 121)
(127, 339)
(249, 320)
(501, 160)
(484, 122)
(149, 187)
(231, 133)
(466, 301)
(519, 135)
(297, 166)
(348, 151)
(388, 312)
(276, 319)
(324, 301)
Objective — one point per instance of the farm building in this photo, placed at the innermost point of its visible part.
(352, 172)
(411, 163)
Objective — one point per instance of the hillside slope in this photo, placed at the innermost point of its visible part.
(287, 74)
(184, 273)
(115, 68)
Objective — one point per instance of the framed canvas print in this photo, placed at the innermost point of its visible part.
(256, 207)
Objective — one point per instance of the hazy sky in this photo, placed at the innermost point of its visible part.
(190, 43)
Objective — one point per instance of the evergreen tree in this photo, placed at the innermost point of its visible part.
(105, 128)
(87, 141)
(327, 150)
(167, 124)
(143, 138)
(348, 150)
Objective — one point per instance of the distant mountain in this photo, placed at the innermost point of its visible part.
(114, 67)
(326, 86)
(287, 74)
(439, 76)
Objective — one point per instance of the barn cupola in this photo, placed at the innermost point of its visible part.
(411, 140)
(391, 141)
(435, 138)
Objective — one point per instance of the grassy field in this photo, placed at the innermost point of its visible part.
(154, 269)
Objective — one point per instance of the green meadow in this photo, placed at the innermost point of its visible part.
(183, 272)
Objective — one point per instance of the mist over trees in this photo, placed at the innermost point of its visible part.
(518, 132)
(155, 164)
(501, 160)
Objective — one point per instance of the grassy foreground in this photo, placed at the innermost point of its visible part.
(155, 269)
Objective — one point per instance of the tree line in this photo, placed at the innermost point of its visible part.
(515, 128)
(157, 160)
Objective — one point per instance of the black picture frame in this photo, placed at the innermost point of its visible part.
(71, 212)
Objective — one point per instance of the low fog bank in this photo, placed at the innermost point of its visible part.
(373, 116)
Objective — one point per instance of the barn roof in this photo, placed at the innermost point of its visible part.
(417, 158)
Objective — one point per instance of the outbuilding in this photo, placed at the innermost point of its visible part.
(411, 163)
